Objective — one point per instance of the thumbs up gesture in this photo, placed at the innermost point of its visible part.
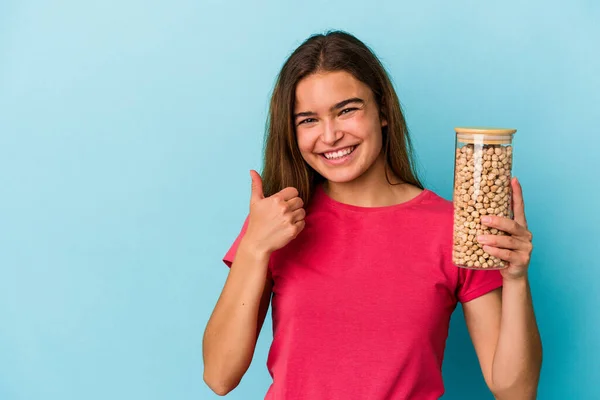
(274, 221)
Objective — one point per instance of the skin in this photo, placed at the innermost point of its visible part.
(501, 323)
(361, 182)
(235, 324)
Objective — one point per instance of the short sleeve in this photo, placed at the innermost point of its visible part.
(474, 283)
(230, 255)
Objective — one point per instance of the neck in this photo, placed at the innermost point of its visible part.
(371, 189)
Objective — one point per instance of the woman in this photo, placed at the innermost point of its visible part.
(355, 255)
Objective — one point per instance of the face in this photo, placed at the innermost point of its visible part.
(338, 127)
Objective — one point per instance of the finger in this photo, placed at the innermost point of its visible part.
(517, 202)
(300, 226)
(504, 242)
(507, 225)
(257, 187)
(288, 193)
(295, 203)
(503, 254)
(298, 215)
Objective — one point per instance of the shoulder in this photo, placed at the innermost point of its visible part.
(434, 213)
(435, 203)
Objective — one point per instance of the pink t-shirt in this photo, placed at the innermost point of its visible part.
(362, 300)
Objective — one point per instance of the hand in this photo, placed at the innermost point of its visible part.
(516, 247)
(274, 221)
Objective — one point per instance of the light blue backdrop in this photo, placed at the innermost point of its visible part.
(127, 129)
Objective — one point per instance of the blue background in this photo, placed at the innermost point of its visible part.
(127, 129)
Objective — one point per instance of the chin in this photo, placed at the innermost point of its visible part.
(340, 176)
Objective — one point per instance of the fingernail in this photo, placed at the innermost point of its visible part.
(481, 239)
(486, 219)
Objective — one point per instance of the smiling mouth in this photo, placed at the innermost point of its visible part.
(336, 155)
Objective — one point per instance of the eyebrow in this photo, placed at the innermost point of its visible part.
(335, 107)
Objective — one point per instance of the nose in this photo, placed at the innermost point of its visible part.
(331, 134)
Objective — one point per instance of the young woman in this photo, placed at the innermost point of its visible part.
(355, 255)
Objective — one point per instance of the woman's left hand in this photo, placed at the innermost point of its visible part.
(515, 248)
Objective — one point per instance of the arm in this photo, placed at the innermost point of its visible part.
(233, 328)
(502, 323)
(506, 339)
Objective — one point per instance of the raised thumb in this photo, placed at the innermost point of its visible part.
(257, 187)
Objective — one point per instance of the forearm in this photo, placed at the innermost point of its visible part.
(231, 333)
(518, 357)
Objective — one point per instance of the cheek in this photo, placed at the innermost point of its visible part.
(366, 129)
(306, 141)
(355, 125)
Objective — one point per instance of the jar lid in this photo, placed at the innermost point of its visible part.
(485, 130)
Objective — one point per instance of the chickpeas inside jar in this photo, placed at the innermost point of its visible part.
(482, 174)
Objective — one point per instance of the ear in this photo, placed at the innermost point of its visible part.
(382, 116)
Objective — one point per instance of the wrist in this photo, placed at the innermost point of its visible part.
(516, 280)
(253, 250)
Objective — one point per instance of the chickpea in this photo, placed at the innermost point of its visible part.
(482, 187)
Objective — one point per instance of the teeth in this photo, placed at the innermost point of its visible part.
(340, 153)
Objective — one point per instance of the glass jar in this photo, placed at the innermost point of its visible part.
(482, 174)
